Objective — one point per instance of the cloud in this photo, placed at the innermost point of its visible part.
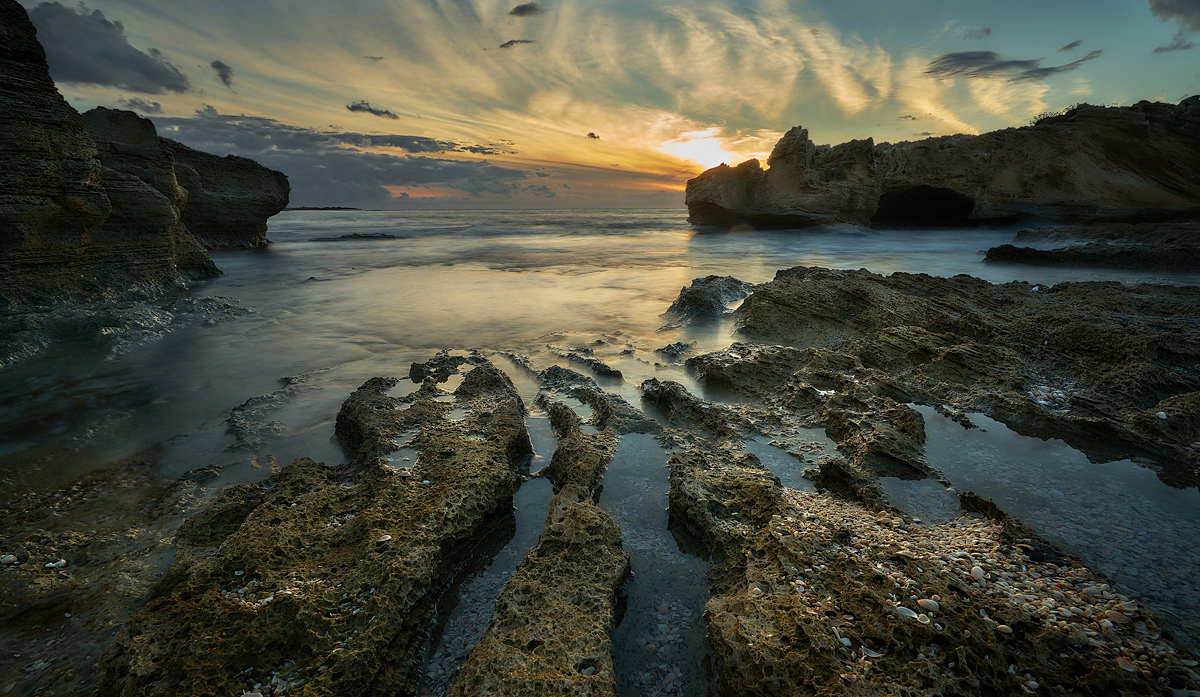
(909, 117)
(375, 58)
(989, 64)
(529, 9)
(515, 42)
(593, 136)
(330, 168)
(924, 134)
(366, 108)
(1186, 12)
(1071, 46)
(85, 47)
(224, 72)
(139, 104)
(1179, 43)
(979, 33)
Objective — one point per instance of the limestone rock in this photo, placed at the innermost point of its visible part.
(129, 144)
(707, 298)
(328, 578)
(1090, 163)
(229, 198)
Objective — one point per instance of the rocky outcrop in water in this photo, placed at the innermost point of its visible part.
(1091, 163)
(1169, 246)
(1104, 367)
(98, 209)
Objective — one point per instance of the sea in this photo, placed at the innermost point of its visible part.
(342, 296)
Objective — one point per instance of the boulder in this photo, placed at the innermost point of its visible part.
(1090, 163)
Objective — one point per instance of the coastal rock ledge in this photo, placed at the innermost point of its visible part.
(1088, 164)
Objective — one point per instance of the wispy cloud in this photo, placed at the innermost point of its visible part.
(365, 108)
(85, 47)
(989, 64)
(516, 42)
(224, 72)
(1071, 46)
(981, 33)
(1181, 42)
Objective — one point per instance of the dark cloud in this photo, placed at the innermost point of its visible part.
(374, 58)
(529, 9)
(982, 33)
(923, 135)
(909, 117)
(224, 72)
(593, 136)
(368, 109)
(989, 64)
(1180, 43)
(139, 104)
(1071, 46)
(515, 42)
(85, 47)
(1186, 12)
(331, 168)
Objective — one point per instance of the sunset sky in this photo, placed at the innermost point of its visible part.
(478, 103)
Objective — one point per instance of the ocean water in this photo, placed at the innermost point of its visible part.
(335, 311)
(343, 296)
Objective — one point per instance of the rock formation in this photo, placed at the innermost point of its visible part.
(1090, 163)
(85, 223)
(229, 198)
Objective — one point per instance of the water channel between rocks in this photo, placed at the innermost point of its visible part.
(1117, 517)
(660, 644)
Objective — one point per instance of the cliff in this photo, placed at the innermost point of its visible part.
(1091, 163)
(229, 198)
(96, 208)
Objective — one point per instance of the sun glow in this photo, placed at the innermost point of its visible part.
(702, 147)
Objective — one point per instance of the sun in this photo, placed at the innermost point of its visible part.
(702, 147)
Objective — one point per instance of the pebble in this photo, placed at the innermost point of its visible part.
(1162, 415)
(57, 564)
(977, 573)
(384, 538)
(929, 604)
(8, 559)
(1126, 664)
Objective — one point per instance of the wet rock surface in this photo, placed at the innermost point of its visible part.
(1090, 163)
(550, 632)
(326, 578)
(706, 298)
(817, 594)
(1111, 358)
(1165, 246)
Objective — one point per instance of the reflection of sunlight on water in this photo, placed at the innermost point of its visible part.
(370, 307)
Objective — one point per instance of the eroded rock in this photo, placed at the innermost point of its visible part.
(1091, 163)
(328, 577)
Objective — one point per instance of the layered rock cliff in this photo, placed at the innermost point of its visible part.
(229, 198)
(98, 207)
(1091, 163)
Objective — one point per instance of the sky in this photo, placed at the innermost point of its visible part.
(591, 103)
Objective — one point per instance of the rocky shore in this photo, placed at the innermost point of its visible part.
(325, 579)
